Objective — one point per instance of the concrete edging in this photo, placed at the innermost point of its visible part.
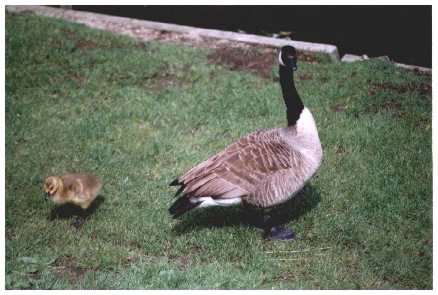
(355, 58)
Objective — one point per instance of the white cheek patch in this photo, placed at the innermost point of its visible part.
(279, 59)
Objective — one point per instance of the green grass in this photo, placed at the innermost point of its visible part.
(140, 115)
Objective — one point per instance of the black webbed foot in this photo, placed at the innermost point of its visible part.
(279, 233)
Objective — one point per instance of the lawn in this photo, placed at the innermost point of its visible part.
(140, 114)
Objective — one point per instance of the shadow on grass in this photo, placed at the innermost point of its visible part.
(69, 210)
(299, 205)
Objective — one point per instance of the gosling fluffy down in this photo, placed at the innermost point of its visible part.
(77, 189)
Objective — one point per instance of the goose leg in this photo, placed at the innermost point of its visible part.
(272, 232)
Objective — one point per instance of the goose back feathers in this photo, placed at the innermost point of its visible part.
(263, 168)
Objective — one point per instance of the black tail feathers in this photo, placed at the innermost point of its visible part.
(181, 206)
(179, 190)
(174, 182)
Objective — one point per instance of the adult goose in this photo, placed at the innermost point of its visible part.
(264, 168)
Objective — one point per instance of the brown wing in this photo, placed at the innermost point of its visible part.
(277, 187)
(240, 168)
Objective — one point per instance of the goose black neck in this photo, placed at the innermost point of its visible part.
(294, 105)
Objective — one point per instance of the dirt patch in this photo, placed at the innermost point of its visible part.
(84, 43)
(182, 261)
(131, 259)
(137, 254)
(304, 77)
(166, 36)
(87, 44)
(308, 57)
(286, 276)
(160, 80)
(391, 105)
(80, 79)
(256, 59)
(163, 80)
(340, 150)
(67, 267)
(388, 105)
(23, 12)
(351, 262)
(422, 88)
(337, 108)
(168, 77)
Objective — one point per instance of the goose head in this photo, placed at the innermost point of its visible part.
(288, 57)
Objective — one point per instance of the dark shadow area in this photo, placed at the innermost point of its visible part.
(69, 210)
(303, 202)
(402, 32)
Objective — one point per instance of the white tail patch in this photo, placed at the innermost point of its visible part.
(209, 201)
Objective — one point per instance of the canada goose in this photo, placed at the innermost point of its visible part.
(264, 168)
(78, 189)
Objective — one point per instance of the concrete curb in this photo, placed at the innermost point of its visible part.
(104, 22)
(355, 58)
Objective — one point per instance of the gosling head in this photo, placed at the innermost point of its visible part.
(288, 57)
(52, 185)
